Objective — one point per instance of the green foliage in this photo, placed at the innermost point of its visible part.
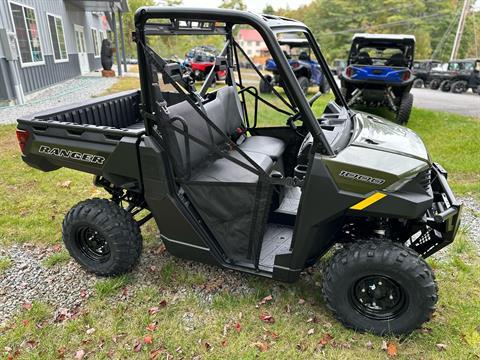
(333, 23)
(5, 263)
(233, 4)
(57, 258)
(129, 24)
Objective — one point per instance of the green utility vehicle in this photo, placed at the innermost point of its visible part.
(227, 191)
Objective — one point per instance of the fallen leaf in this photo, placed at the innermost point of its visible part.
(32, 343)
(90, 331)
(288, 310)
(311, 331)
(83, 293)
(57, 247)
(369, 345)
(267, 318)
(262, 346)
(151, 327)
(148, 340)
(441, 347)
(207, 346)
(163, 303)
(160, 250)
(61, 351)
(301, 301)
(154, 353)
(25, 322)
(27, 306)
(272, 334)
(65, 184)
(265, 300)
(80, 354)
(391, 349)
(137, 347)
(153, 310)
(384, 345)
(224, 343)
(238, 327)
(326, 339)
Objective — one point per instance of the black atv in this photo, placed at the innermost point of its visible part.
(462, 76)
(379, 73)
(229, 191)
(421, 70)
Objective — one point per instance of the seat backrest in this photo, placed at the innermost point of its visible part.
(396, 59)
(224, 111)
(363, 58)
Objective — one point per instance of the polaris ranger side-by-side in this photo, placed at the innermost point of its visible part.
(268, 201)
(379, 73)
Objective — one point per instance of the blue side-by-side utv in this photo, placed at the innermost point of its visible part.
(306, 70)
(379, 73)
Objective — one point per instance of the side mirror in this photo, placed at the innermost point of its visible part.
(221, 63)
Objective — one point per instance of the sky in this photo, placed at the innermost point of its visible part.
(252, 5)
(258, 5)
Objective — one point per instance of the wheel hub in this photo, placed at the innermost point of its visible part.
(92, 244)
(378, 297)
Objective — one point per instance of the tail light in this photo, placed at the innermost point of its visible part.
(349, 71)
(22, 137)
(406, 75)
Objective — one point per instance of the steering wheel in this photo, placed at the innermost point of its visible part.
(294, 117)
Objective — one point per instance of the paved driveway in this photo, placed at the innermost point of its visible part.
(463, 104)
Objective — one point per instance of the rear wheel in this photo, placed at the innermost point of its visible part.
(102, 237)
(445, 85)
(304, 84)
(381, 287)
(405, 108)
(418, 83)
(265, 86)
(459, 87)
(434, 84)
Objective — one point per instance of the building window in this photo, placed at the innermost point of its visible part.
(97, 38)
(26, 30)
(96, 49)
(58, 38)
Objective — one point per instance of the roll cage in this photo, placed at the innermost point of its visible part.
(198, 21)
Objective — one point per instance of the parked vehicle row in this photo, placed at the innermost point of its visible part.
(457, 76)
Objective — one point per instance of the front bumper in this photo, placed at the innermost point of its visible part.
(443, 219)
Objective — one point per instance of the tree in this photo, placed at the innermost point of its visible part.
(233, 4)
(129, 24)
(268, 9)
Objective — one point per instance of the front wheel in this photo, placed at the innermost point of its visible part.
(434, 84)
(380, 287)
(418, 83)
(102, 237)
(445, 85)
(304, 84)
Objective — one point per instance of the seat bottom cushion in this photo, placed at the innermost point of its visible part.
(224, 170)
(265, 145)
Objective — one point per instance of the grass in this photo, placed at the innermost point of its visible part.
(5, 264)
(193, 323)
(57, 258)
(186, 324)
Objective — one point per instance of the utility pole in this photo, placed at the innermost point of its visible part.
(461, 26)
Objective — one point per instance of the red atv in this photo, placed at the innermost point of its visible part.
(201, 65)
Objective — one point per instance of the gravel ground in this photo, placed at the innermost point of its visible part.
(66, 286)
(65, 93)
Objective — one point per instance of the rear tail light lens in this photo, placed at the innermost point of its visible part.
(22, 137)
(295, 65)
(349, 71)
(406, 75)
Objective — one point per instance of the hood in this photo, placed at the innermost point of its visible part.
(377, 133)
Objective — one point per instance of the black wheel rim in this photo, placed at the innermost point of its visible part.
(92, 244)
(378, 297)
